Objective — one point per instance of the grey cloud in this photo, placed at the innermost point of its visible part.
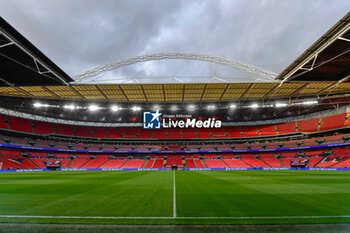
(82, 34)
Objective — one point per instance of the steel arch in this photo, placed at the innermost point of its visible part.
(164, 56)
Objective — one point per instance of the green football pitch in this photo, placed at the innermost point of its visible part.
(181, 197)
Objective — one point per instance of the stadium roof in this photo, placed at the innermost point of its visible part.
(322, 70)
(22, 64)
(328, 59)
(179, 92)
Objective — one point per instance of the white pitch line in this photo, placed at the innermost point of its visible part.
(232, 218)
(174, 198)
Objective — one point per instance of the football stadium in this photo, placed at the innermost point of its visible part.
(209, 155)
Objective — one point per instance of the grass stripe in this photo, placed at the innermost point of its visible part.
(233, 218)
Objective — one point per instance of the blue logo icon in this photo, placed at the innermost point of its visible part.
(151, 120)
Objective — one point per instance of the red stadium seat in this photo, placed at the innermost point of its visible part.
(82, 131)
(113, 163)
(332, 122)
(3, 124)
(158, 163)
(19, 124)
(95, 163)
(198, 163)
(43, 127)
(134, 163)
(215, 163)
(308, 125)
(64, 129)
(236, 163)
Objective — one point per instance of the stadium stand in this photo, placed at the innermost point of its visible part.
(41, 162)
(312, 125)
(198, 163)
(113, 163)
(5, 165)
(236, 163)
(115, 133)
(78, 162)
(286, 128)
(190, 163)
(215, 163)
(19, 124)
(23, 159)
(82, 131)
(322, 158)
(308, 125)
(332, 122)
(249, 131)
(149, 163)
(43, 127)
(312, 161)
(188, 133)
(175, 161)
(343, 164)
(255, 162)
(158, 163)
(272, 162)
(134, 163)
(95, 163)
(63, 129)
(100, 132)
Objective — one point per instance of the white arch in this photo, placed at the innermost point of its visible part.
(163, 56)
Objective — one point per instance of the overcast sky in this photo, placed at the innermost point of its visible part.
(79, 35)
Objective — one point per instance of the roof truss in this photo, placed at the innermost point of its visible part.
(178, 93)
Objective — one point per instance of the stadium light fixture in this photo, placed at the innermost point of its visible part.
(310, 102)
(37, 105)
(191, 107)
(254, 106)
(280, 105)
(93, 107)
(211, 107)
(232, 106)
(156, 107)
(136, 108)
(115, 108)
(174, 108)
(70, 106)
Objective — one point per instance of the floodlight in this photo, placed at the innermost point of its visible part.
(191, 107)
(174, 108)
(136, 108)
(37, 105)
(115, 108)
(279, 105)
(311, 102)
(93, 107)
(70, 107)
(254, 106)
(232, 106)
(156, 107)
(211, 107)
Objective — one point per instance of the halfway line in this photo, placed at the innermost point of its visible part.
(174, 198)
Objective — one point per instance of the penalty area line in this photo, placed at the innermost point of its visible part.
(199, 218)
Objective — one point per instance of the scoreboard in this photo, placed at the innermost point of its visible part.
(299, 163)
(53, 165)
